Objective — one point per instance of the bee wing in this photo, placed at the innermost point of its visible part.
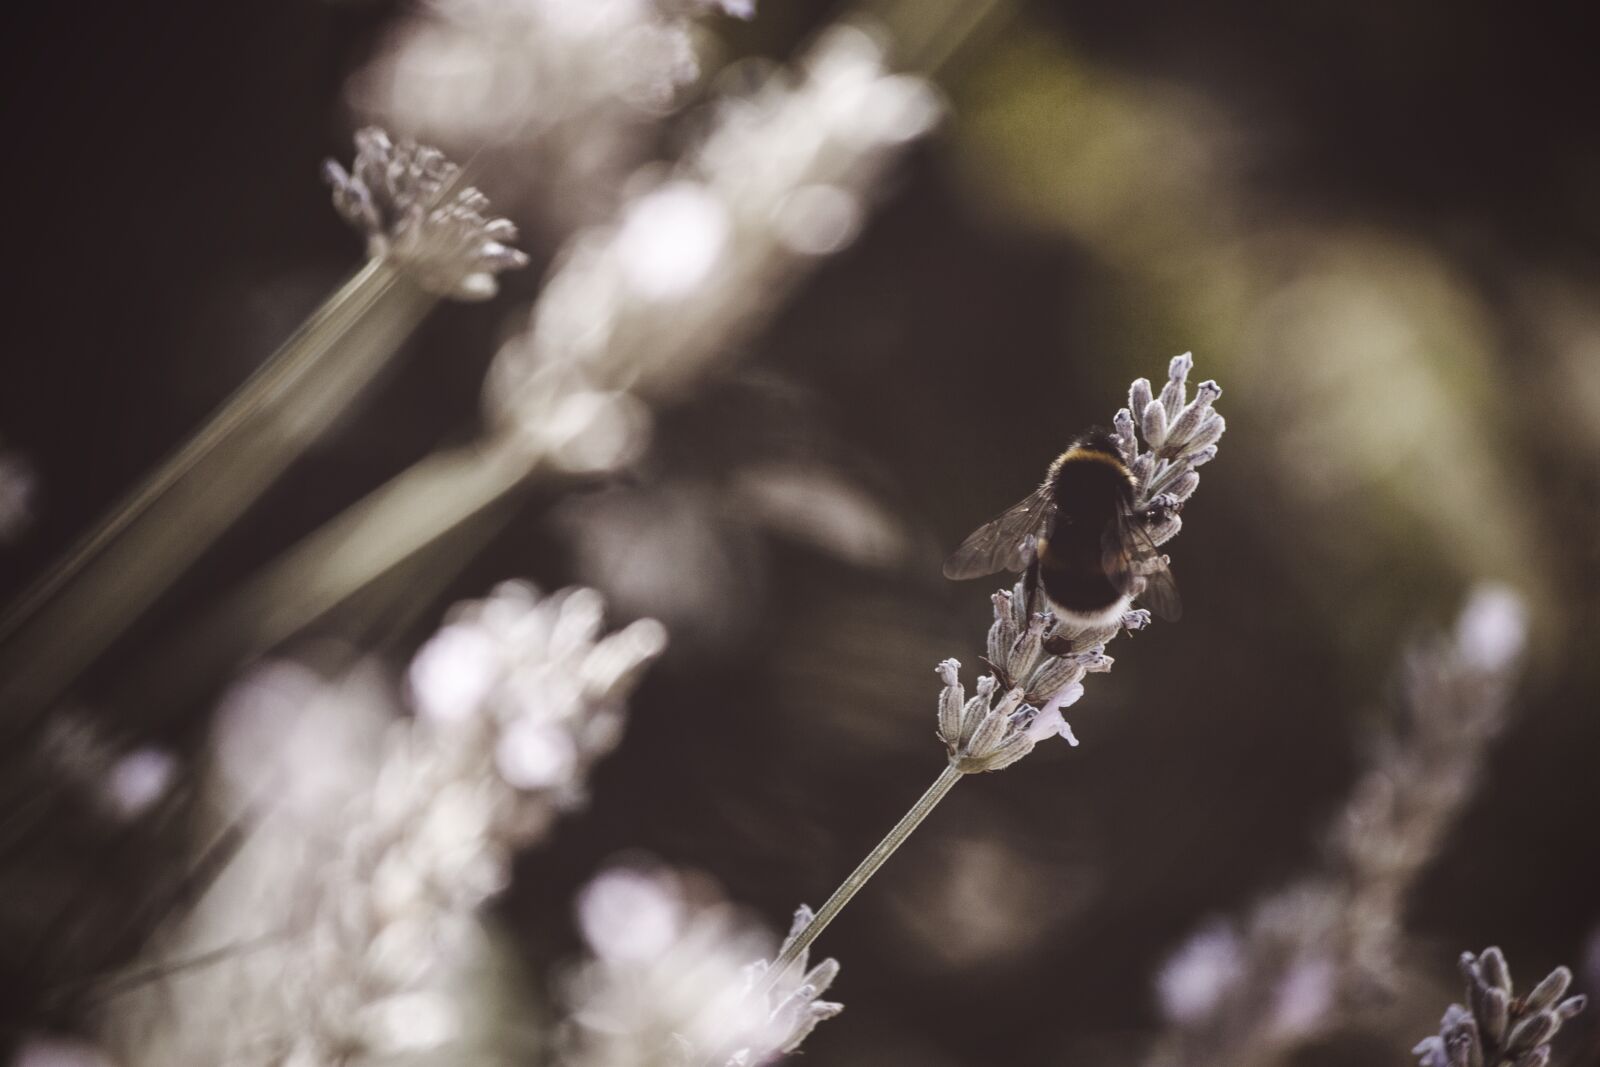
(1003, 544)
(1136, 566)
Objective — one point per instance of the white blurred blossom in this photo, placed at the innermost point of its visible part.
(556, 98)
(138, 780)
(376, 839)
(288, 741)
(1305, 997)
(527, 684)
(1493, 629)
(672, 976)
(1192, 981)
(704, 251)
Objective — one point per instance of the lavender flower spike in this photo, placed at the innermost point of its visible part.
(410, 202)
(1499, 1029)
(1036, 661)
(1020, 702)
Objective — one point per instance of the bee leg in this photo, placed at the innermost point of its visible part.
(1058, 645)
(1030, 584)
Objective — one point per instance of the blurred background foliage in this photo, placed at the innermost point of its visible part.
(1374, 224)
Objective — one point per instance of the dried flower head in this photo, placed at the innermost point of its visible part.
(1036, 661)
(1500, 1029)
(410, 202)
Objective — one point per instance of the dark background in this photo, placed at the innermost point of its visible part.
(166, 229)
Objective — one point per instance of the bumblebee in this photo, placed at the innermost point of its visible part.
(1079, 540)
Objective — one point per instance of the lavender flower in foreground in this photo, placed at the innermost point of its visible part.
(524, 685)
(375, 840)
(668, 979)
(415, 210)
(1003, 721)
(519, 695)
(1499, 1029)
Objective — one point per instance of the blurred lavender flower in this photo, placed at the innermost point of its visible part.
(1455, 693)
(524, 686)
(1192, 982)
(557, 97)
(669, 979)
(376, 841)
(636, 310)
(137, 781)
(410, 202)
(1019, 703)
(1313, 953)
(518, 696)
(1499, 1029)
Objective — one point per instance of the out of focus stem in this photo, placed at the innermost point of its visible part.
(862, 874)
(106, 583)
(306, 345)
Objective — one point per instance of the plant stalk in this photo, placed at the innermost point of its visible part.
(373, 539)
(863, 872)
(306, 345)
(109, 579)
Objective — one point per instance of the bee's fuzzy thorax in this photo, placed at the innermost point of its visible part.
(1079, 454)
(1096, 446)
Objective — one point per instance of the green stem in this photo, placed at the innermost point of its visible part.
(863, 872)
